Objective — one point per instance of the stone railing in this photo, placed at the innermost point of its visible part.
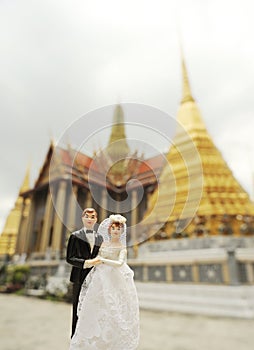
(228, 266)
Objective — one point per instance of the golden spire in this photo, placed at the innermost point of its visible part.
(117, 146)
(187, 96)
(188, 114)
(116, 159)
(26, 183)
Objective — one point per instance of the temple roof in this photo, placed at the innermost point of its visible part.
(69, 163)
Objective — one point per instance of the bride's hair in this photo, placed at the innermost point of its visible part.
(117, 224)
(117, 220)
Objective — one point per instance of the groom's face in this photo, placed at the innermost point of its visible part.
(89, 219)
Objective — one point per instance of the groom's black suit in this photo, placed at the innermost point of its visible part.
(79, 250)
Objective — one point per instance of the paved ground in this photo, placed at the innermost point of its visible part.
(34, 324)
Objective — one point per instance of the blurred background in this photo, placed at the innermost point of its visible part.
(143, 108)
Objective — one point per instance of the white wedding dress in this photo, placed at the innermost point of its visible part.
(108, 311)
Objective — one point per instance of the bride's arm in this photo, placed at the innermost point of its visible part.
(119, 262)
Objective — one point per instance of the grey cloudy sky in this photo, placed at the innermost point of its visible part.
(63, 58)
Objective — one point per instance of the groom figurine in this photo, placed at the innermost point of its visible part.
(83, 244)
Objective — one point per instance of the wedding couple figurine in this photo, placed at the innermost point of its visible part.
(105, 304)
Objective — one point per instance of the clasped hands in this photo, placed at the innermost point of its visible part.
(94, 261)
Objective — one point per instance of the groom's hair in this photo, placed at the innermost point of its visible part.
(89, 211)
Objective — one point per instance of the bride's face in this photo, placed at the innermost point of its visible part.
(115, 231)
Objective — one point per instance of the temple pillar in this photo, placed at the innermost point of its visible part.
(250, 273)
(46, 223)
(134, 215)
(145, 273)
(72, 208)
(103, 210)
(225, 273)
(118, 204)
(59, 210)
(27, 232)
(22, 227)
(89, 201)
(233, 268)
(169, 274)
(195, 273)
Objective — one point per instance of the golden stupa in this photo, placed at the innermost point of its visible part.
(197, 194)
(8, 238)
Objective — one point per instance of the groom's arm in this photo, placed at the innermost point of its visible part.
(71, 257)
(94, 261)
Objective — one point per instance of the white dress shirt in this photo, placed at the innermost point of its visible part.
(91, 238)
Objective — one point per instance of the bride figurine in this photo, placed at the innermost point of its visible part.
(108, 310)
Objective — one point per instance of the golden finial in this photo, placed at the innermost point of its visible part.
(117, 146)
(26, 183)
(187, 96)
